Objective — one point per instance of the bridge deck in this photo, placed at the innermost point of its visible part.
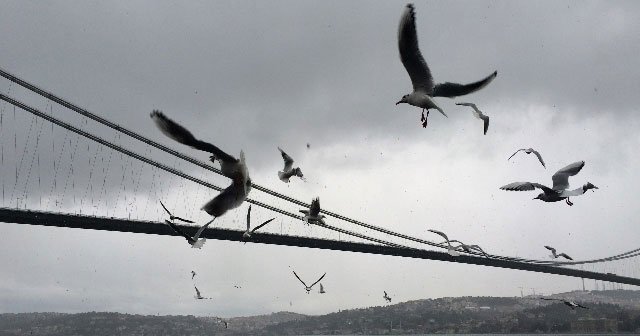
(123, 225)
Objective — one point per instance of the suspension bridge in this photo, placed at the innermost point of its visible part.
(65, 183)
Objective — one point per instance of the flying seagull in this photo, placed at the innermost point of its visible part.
(172, 217)
(288, 170)
(468, 248)
(529, 151)
(423, 85)
(226, 325)
(478, 114)
(386, 297)
(198, 296)
(308, 288)
(321, 291)
(559, 191)
(235, 169)
(193, 274)
(451, 250)
(194, 241)
(571, 304)
(556, 256)
(313, 214)
(247, 234)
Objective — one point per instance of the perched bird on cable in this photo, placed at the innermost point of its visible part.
(235, 169)
(313, 214)
(478, 114)
(559, 191)
(288, 170)
(308, 288)
(529, 151)
(423, 85)
(554, 255)
(571, 304)
(247, 234)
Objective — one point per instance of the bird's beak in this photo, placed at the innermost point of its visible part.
(399, 102)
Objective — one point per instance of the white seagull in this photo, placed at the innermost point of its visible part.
(423, 85)
(172, 217)
(288, 170)
(198, 296)
(554, 255)
(386, 297)
(529, 151)
(478, 114)
(194, 241)
(235, 169)
(313, 214)
(571, 304)
(559, 191)
(451, 250)
(308, 288)
(247, 234)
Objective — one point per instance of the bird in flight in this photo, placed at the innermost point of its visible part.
(424, 88)
(172, 217)
(478, 114)
(386, 297)
(450, 250)
(554, 255)
(235, 169)
(288, 170)
(468, 248)
(198, 296)
(559, 190)
(529, 151)
(313, 214)
(571, 304)
(308, 288)
(193, 274)
(247, 234)
(195, 241)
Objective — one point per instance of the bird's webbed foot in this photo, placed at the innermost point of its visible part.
(568, 201)
(424, 121)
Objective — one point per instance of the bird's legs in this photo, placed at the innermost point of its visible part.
(568, 201)
(424, 121)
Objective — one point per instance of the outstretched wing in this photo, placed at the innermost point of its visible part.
(579, 305)
(288, 160)
(180, 134)
(550, 249)
(521, 149)
(565, 256)
(294, 273)
(539, 157)
(526, 186)
(249, 218)
(197, 291)
(451, 90)
(314, 209)
(202, 229)
(410, 54)
(165, 209)
(180, 232)
(442, 234)
(261, 225)
(318, 280)
(561, 177)
(551, 299)
(478, 114)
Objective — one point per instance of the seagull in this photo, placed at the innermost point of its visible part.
(198, 296)
(386, 296)
(451, 250)
(308, 288)
(247, 234)
(288, 170)
(226, 325)
(172, 217)
(559, 191)
(571, 304)
(556, 256)
(468, 248)
(529, 151)
(235, 169)
(194, 241)
(193, 274)
(423, 86)
(313, 214)
(321, 291)
(478, 114)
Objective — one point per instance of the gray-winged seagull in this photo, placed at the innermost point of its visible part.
(195, 241)
(247, 234)
(478, 114)
(288, 170)
(571, 304)
(423, 86)
(559, 191)
(554, 255)
(386, 297)
(235, 169)
(450, 250)
(468, 248)
(308, 288)
(529, 151)
(313, 214)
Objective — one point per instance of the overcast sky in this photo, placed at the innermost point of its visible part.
(257, 75)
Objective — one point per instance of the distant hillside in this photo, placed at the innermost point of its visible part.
(609, 310)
